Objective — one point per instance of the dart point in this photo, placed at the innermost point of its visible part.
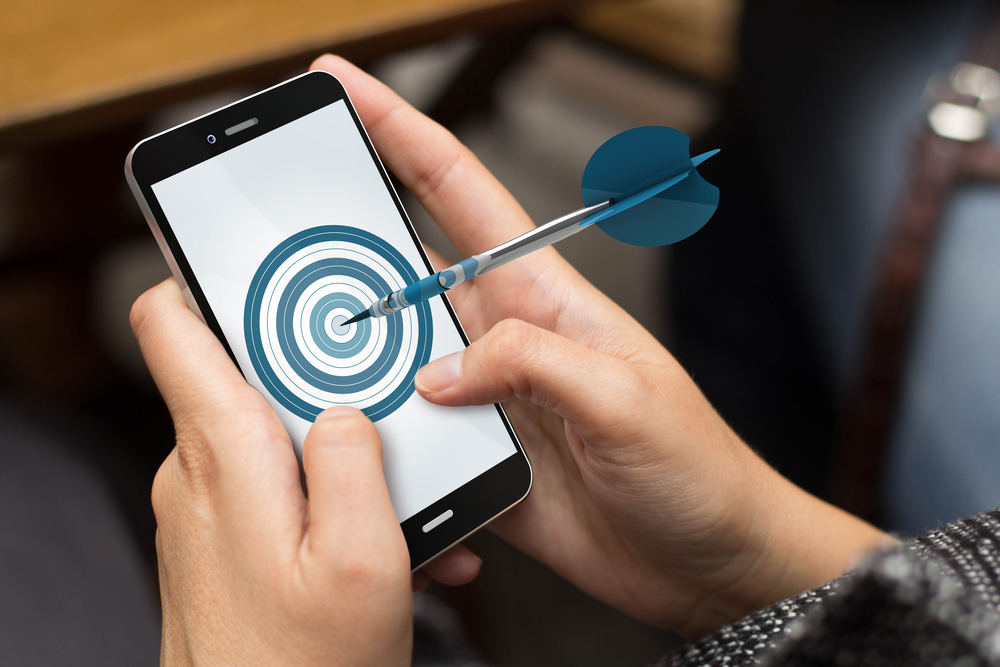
(363, 315)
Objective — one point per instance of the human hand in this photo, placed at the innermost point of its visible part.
(642, 495)
(251, 571)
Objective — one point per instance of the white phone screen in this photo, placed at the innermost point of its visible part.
(290, 234)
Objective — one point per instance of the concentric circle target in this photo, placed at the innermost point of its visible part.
(303, 292)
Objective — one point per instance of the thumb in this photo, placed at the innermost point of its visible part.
(592, 391)
(351, 519)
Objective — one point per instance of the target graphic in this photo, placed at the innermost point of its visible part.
(303, 292)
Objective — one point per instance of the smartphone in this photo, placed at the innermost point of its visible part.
(279, 223)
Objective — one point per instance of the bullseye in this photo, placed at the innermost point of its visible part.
(338, 325)
(295, 324)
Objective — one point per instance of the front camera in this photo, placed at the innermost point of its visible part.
(211, 138)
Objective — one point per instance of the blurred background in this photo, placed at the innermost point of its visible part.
(778, 308)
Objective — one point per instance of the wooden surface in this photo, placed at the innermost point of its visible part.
(73, 66)
(693, 36)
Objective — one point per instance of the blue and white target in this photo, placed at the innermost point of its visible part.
(303, 292)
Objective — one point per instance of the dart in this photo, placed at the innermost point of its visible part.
(640, 187)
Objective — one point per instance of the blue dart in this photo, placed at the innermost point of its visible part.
(640, 187)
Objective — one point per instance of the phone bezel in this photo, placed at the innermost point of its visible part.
(480, 500)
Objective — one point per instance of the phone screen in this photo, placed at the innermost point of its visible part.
(289, 235)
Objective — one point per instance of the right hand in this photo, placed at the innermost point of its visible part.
(642, 495)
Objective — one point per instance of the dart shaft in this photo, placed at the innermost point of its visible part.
(538, 238)
(484, 262)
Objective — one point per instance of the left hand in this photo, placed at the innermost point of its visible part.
(251, 570)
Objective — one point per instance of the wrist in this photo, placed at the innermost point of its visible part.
(790, 542)
(822, 542)
(802, 543)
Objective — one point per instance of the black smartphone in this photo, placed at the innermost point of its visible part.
(279, 222)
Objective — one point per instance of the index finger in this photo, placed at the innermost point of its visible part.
(464, 198)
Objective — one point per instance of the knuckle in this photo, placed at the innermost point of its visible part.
(194, 458)
(359, 567)
(509, 349)
(429, 182)
(160, 493)
(180, 491)
(370, 566)
(512, 340)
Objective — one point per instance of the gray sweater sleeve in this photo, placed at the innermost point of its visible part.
(933, 601)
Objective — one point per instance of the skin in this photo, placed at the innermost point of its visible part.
(642, 496)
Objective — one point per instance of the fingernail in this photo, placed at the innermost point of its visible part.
(337, 411)
(440, 373)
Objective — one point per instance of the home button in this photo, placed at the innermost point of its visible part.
(434, 523)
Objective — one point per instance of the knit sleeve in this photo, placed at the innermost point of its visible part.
(932, 601)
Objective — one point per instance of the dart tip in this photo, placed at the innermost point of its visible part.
(363, 315)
